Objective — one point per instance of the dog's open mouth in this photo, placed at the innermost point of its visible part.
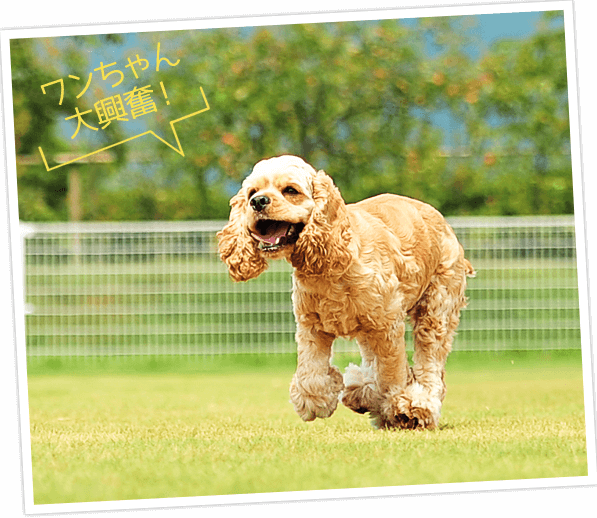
(273, 235)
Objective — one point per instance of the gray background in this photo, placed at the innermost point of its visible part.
(547, 503)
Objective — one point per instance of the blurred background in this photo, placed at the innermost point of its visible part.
(467, 113)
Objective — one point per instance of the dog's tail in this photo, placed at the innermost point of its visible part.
(468, 269)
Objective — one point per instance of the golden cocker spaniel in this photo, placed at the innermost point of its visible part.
(360, 270)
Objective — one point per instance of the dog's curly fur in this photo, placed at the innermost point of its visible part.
(360, 271)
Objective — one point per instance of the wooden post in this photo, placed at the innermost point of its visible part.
(74, 209)
(74, 195)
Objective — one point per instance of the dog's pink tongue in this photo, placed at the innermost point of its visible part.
(275, 230)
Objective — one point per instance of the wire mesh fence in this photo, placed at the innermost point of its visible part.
(160, 289)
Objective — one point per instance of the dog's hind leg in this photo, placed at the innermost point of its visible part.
(361, 393)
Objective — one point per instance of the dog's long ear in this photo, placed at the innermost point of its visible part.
(322, 247)
(237, 249)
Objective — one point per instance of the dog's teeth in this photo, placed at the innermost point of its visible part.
(277, 241)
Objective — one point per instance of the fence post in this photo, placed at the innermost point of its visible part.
(25, 231)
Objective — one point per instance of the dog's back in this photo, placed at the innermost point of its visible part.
(420, 228)
(403, 215)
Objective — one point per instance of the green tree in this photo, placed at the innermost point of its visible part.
(358, 99)
(527, 89)
(37, 62)
(342, 96)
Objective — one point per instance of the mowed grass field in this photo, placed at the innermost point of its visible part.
(117, 430)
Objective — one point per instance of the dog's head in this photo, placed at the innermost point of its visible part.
(285, 209)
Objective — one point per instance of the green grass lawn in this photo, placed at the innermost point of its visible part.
(119, 430)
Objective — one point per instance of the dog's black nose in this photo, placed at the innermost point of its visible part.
(259, 203)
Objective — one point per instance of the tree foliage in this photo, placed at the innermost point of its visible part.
(42, 193)
(360, 100)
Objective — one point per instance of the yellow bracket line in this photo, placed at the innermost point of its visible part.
(150, 132)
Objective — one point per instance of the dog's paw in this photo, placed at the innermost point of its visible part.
(316, 395)
(413, 408)
(416, 402)
(360, 392)
(394, 420)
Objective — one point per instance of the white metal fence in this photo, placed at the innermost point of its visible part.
(160, 288)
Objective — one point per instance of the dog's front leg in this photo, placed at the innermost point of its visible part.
(316, 384)
(393, 376)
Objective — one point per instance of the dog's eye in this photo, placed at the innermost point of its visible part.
(290, 190)
(252, 193)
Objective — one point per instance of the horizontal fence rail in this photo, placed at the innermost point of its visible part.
(108, 289)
